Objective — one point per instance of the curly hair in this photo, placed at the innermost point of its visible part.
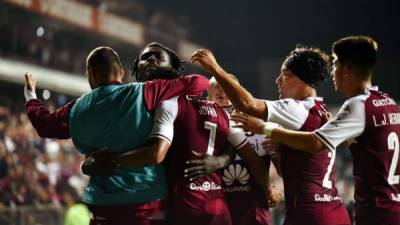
(310, 64)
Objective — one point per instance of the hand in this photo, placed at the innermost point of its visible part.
(248, 123)
(206, 60)
(101, 163)
(203, 166)
(30, 87)
(273, 196)
(269, 145)
(326, 116)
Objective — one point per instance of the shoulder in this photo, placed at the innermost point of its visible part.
(354, 104)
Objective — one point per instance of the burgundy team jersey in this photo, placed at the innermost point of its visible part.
(370, 123)
(246, 199)
(203, 127)
(310, 192)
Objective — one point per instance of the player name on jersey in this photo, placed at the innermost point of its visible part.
(386, 119)
(383, 102)
(208, 111)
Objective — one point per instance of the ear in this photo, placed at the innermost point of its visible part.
(346, 71)
(122, 72)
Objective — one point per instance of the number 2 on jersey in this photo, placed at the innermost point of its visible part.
(326, 183)
(393, 144)
(211, 140)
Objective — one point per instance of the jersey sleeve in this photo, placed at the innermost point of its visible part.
(236, 136)
(289, 113)
(157, 91)
(164, 118)
(347, 124)
(49, 124)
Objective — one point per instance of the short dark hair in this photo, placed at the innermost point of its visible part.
(104, 61)
(310, 64)
(176, 63)
(358, 52)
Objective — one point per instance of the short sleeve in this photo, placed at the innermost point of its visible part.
(346, 125)
(164, 118)
(289, 113)
(236, 136)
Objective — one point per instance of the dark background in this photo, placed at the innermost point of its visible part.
(251, 38)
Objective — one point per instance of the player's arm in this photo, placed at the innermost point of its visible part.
(259, 170)
(347, 124)
(206, 164)
(161, 138)
(254, 163)
(276, 160)
(151, 154)
(239, 96)
(272, 149)
(104, 163)
(47, 124)
(304, 141)
(157, 91)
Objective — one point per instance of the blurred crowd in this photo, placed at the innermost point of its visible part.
(35, 171)
(155, 20)
(32, 39)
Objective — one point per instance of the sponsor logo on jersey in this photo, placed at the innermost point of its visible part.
(235, 173)
(206, 186)
(326, 198)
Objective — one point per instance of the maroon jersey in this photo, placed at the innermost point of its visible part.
(246, 199)
(310, 193)
(198, 126)
(203, 127)
(370, 123)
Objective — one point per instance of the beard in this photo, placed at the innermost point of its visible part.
(166, 73)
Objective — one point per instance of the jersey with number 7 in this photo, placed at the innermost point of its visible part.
(195, 127)
(370, 123)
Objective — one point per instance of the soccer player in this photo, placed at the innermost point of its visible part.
(310, 194)
(246, 199)
(369, 122)
(117, 116)
(196, 129)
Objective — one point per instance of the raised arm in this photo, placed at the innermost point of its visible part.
(47, 124)
(157, 91)
(239, 96)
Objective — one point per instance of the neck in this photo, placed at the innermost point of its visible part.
(307, 92)
(104, 83)
(358, 88)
